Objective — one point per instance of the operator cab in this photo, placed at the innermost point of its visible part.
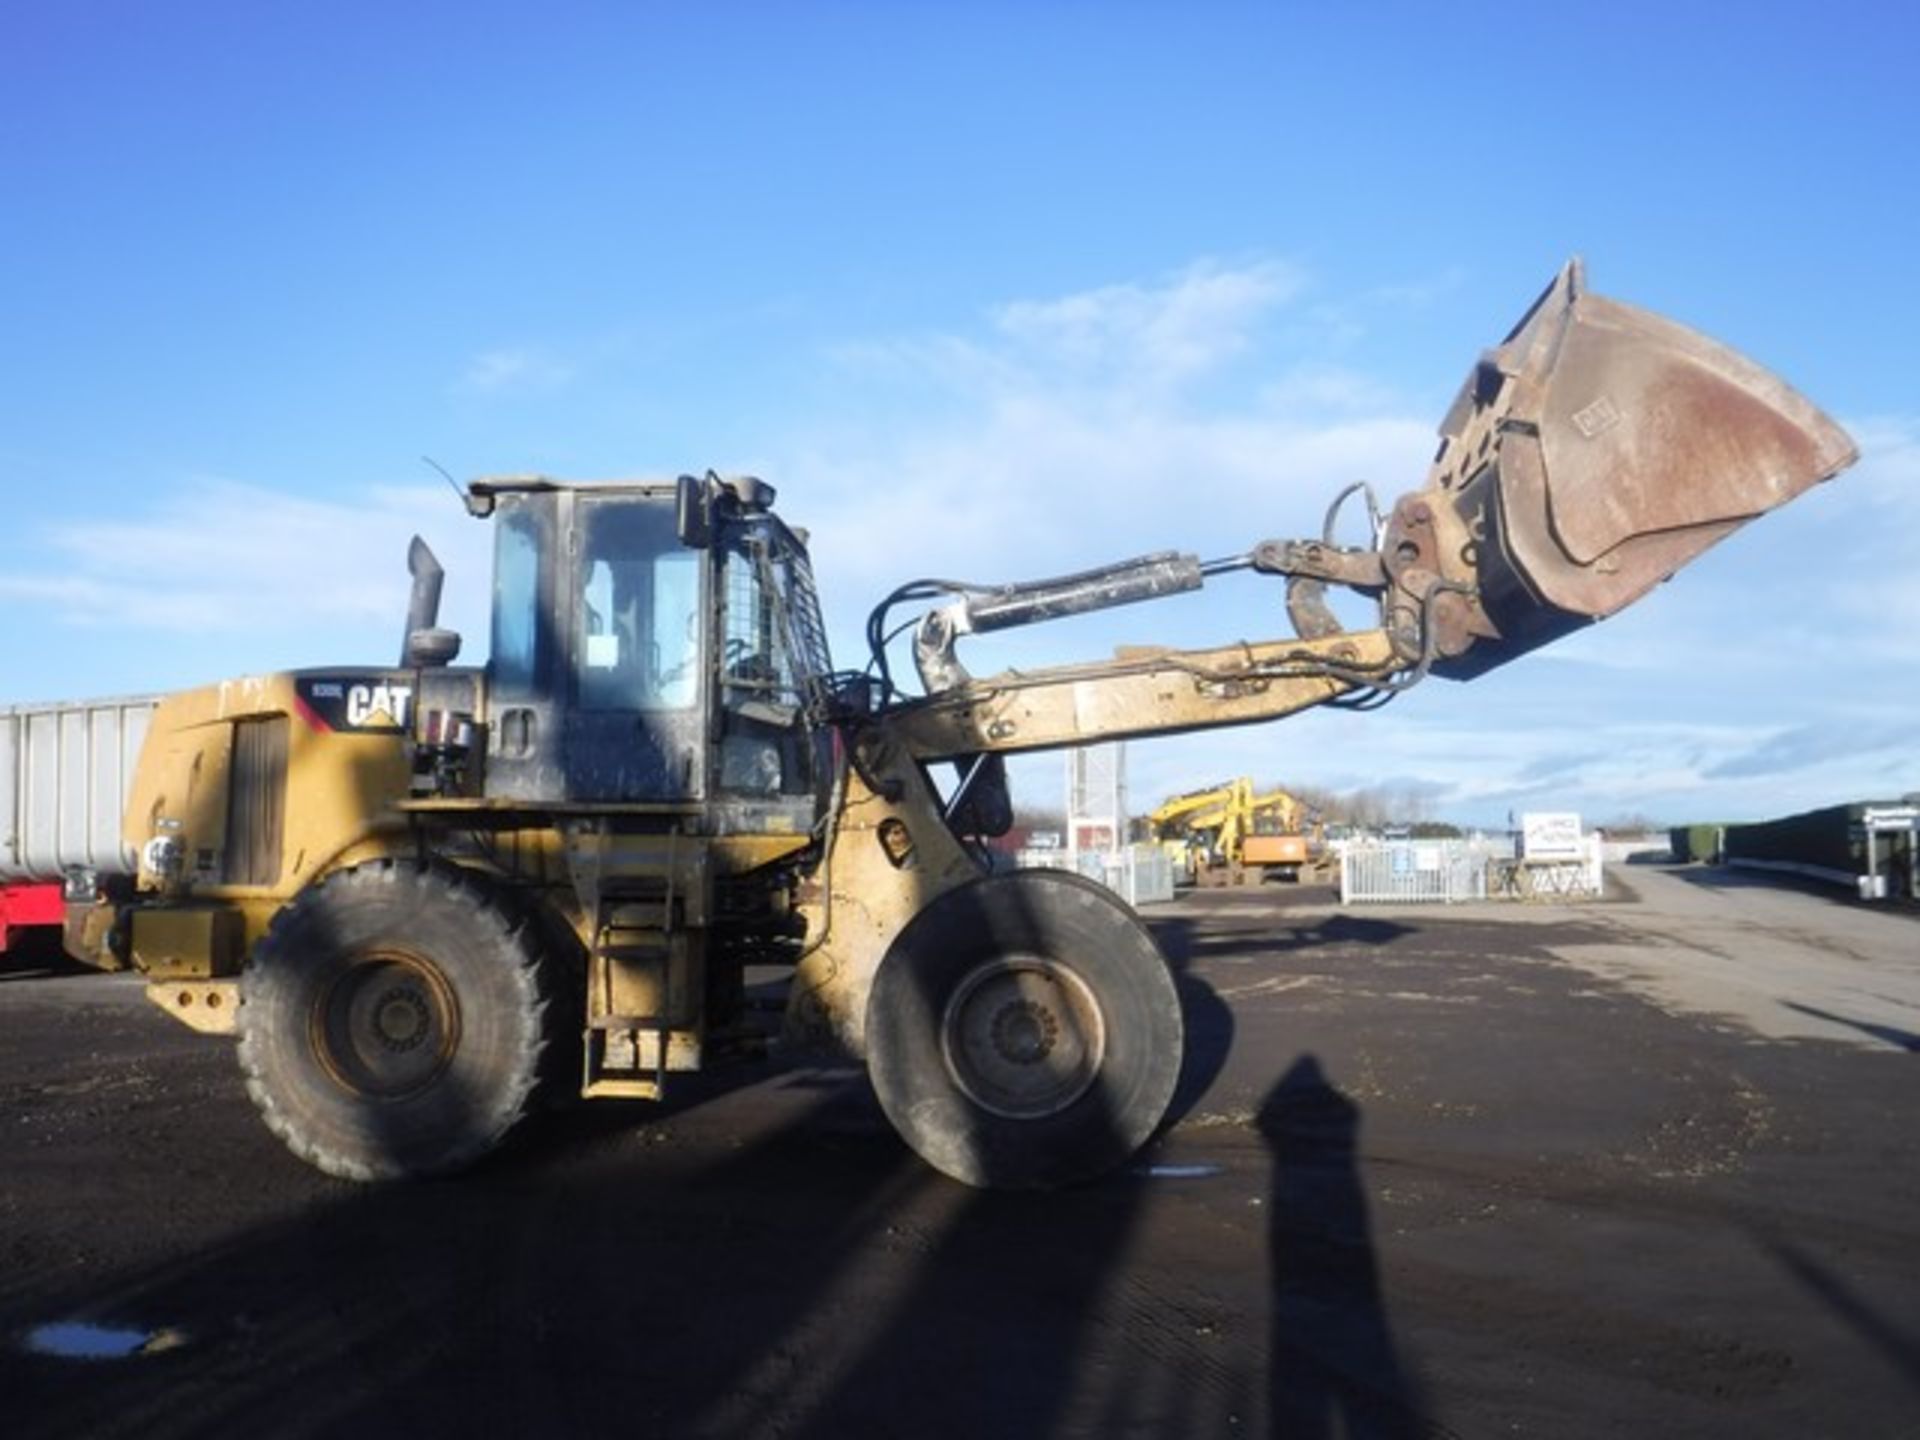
(653, 645)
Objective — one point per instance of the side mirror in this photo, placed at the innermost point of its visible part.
(693, 513)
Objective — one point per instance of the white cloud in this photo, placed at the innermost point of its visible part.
(1601, 765)
(1876, 595)
(1202, 411)
(1889, 467)
(254, 577)
(1416, 294)
(1153, 336)
(1069, 432)
(494, 372)
(1209, 410)
(1320, 389)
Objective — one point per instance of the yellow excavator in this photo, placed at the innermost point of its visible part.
(1256, 836)
(1184, 825)
(1229, 835)
(421, 894)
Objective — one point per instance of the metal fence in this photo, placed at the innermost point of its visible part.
(1581, 879)
(1140, 875)
(1412, 872)
(1449, 872)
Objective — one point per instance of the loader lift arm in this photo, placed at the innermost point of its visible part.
(1017, 1025)
(1588, 457)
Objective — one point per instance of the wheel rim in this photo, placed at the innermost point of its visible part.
(388, 1026)
(1023, 1037)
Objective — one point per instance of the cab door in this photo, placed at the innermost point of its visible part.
(637, 645)
(526, 665)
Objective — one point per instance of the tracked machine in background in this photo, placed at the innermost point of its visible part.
(1231, 835)
(421, 893)
(1185, 825)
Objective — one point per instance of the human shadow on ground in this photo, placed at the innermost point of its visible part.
(1891, 1034)
(1334, 1368)
(1900, 1347)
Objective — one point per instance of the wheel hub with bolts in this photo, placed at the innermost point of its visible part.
(1023, 1037)
(401, 1021)
(387, 1026)
(1025, 1033)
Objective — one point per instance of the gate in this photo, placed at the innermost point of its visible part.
(1412, 872)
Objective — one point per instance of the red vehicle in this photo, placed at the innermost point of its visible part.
(28, 905)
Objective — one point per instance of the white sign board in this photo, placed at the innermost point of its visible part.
(1550, 836)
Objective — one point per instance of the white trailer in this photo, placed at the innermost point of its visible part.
(64, 773)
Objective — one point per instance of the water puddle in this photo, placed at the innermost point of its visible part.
(77, 1340)
(1183, 1172)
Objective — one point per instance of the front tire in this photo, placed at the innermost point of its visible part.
(392, 1022)
(1024, 1032)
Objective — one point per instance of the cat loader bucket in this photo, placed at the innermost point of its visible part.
(1596, 451)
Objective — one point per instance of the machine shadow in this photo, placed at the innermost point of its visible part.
(759, 1255)
(1209, 1019)
(35, 953)
(1183, 937)
(1029, 1302)
(1333, 1366)
(644, 1284)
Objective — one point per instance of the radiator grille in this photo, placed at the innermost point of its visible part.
(256, 801)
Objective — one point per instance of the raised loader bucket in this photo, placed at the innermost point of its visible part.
(1595, 452)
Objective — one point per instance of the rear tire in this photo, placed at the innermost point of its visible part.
(392, 1022)
(1024, 1032)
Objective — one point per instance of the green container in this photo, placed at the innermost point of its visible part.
(1696, 843)
(1827, 839)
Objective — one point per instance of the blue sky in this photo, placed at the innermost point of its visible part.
(991, 290)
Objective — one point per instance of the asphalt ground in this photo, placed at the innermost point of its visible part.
(1639, 1167)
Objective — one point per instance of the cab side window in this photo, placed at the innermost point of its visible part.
(638, 613)
(514, 656)
(765, 746)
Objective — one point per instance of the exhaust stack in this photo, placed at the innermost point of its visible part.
(425, 644)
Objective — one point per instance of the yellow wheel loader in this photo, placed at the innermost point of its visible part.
(421, 894)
